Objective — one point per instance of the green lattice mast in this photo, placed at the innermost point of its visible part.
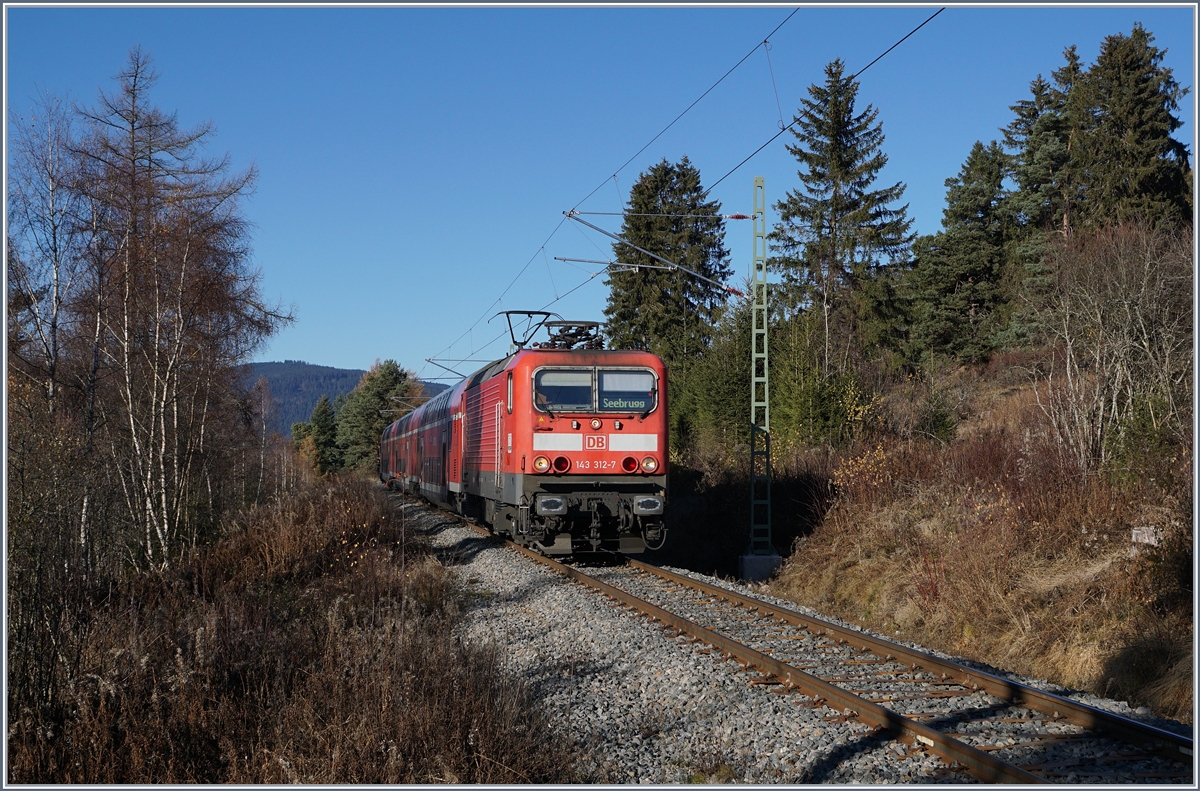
(760, 409)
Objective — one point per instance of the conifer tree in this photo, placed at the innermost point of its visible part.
(1134, 167)
(670, 313)
(1050, 187)
(1096, 146)
(956, 272)
(836, 233)
(324, 436)
(362, 419)
(1038, 138)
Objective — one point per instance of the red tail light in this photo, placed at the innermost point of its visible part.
(629, 464)
(562, 464)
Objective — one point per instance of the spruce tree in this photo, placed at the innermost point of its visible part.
(1091, 148)
(1095, 146)
(956, 273)
(668, 312)
(1050, 188)
(836, 233)
(324, 436)
(1134, 167)
(1038, 139)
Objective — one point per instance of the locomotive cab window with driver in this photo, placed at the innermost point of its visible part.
(563, 391)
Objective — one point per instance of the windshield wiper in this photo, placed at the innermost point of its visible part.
(653, 403)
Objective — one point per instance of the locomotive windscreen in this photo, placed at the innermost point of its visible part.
(623, 391)
(563, 390)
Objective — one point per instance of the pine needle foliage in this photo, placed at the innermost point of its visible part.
(956, 273)
(668, 312)
(837, 233)
(368, 410)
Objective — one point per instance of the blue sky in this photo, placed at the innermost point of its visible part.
(413, 161)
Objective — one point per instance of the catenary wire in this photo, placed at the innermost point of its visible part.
(793, 123)
(775, 136)
(689, 107)
(664, 130)
(547, 305)
(613, 177)
(502, 293)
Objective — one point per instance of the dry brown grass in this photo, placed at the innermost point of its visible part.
(994, 547)
(312, 645)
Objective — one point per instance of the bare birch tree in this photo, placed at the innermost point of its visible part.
(45, 238)
(181, 303)
(1119, 316)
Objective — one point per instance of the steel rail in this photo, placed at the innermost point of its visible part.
(1169, 745)
(983, 766)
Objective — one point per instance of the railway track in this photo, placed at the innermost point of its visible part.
(993, 728)
(996, 729)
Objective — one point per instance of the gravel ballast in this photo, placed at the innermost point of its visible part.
(642, 706)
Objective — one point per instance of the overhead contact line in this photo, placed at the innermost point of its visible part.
(649, 214)
(689, 107)
(793, 123)
(765, 41)
(612, 177)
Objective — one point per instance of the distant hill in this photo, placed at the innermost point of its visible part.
(298, 386)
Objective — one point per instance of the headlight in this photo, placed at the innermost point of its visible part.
(596, 424)
(649, 464)
(541, 464)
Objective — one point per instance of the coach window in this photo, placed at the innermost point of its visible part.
(510, 392)
(627, 391)
(563, 391)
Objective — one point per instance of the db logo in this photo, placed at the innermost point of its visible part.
(595, 442)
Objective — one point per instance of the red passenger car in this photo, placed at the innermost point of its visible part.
(559, 447)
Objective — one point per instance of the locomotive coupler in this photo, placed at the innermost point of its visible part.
(594, 534)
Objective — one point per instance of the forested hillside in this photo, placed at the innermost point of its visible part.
(297, 386)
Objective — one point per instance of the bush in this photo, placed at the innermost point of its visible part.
(313, 644)
(997, 547)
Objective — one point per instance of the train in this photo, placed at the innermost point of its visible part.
(561, 446)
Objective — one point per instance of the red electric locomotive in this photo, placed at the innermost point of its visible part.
(561, 446)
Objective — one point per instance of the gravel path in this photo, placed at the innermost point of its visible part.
(642, 707)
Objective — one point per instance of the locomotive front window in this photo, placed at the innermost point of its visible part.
(626, 391)
(563, 391)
